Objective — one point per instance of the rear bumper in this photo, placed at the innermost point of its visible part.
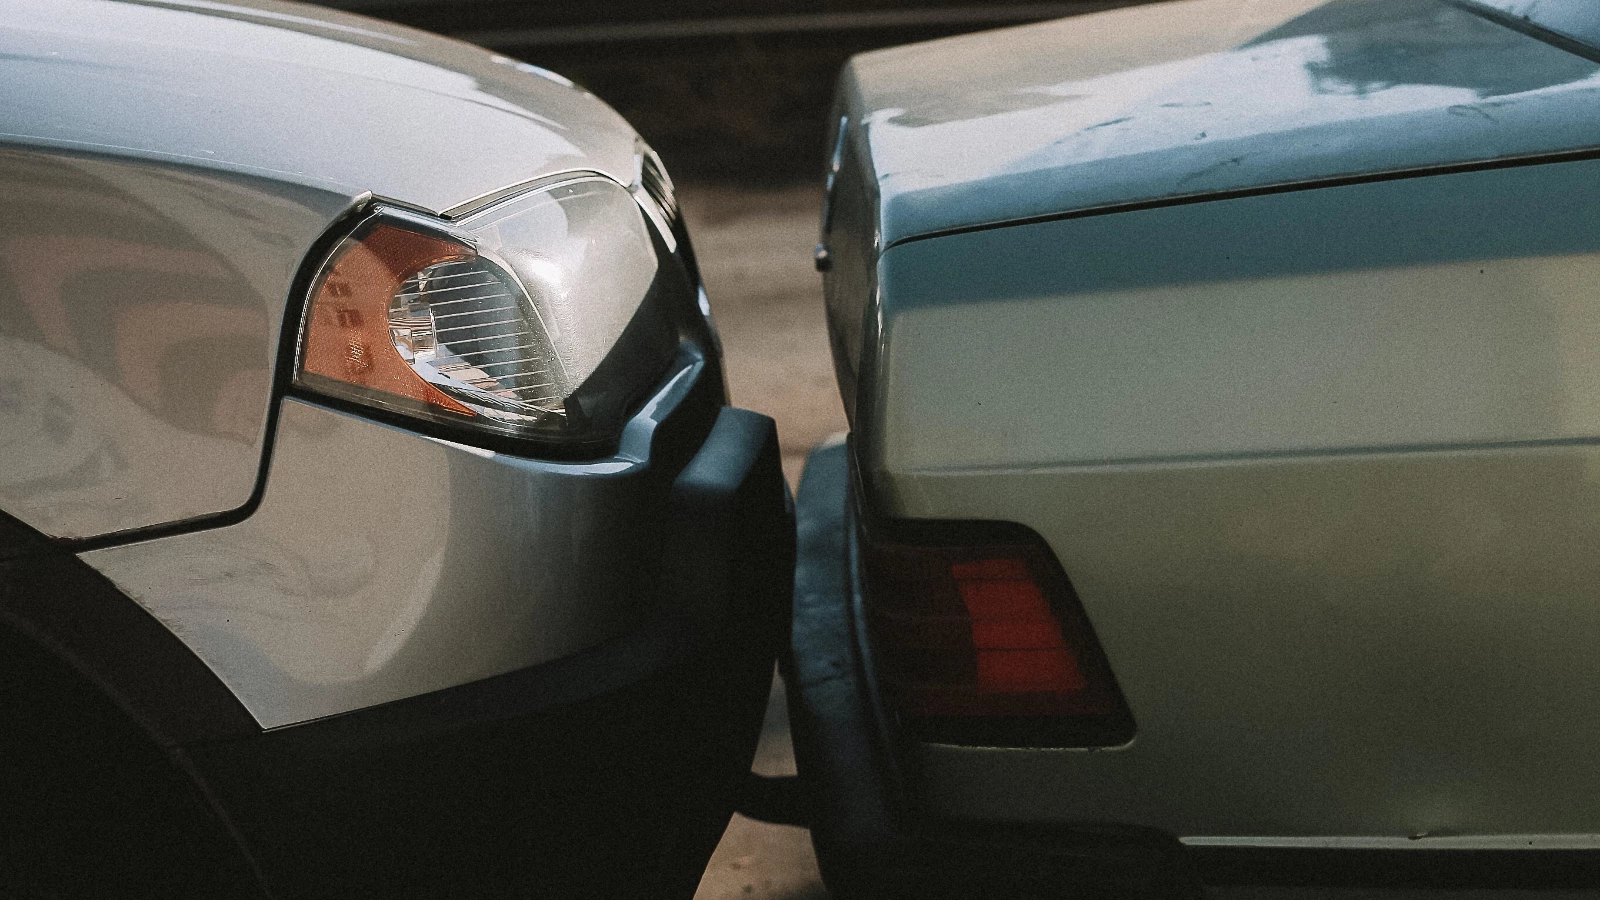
(871, 838)
(872, 814)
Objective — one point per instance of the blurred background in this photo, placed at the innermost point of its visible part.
(731, 91)
(735, 95)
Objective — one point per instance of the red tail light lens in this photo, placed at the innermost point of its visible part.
(978, 638)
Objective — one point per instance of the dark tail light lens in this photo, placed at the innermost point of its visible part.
(979, 638)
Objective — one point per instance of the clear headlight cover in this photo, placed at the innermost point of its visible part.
(543, 317)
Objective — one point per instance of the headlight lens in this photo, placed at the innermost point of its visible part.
(543, 317)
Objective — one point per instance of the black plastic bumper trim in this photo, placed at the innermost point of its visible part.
(64, 605)
(870, 838)
(873, 842)
(1421, 868)
(609, 773)
(734, 483)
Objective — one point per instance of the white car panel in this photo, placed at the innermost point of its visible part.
(1376, 645)
(1319, 455)
(1196, 97)
(1326, 492)
(383, 564)
(1455, 310)
(219, 141)
(246, 87)
(140, 309)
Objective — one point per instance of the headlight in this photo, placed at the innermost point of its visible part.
(543, 317)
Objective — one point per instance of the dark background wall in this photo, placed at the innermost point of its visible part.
(726, 90)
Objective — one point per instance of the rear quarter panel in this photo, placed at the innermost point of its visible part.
(1452, 310)
(1323, 468)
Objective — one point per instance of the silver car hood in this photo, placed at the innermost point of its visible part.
(1200, 97)
(297, 94)
(165, 168)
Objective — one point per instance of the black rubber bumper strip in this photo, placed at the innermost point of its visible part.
(870, 838)
(609, 773)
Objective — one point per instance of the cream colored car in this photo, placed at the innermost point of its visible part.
(1222, 499)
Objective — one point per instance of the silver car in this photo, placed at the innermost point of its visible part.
(372, 518)
(1222, 494)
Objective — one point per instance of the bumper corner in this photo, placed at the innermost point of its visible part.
(870, 838)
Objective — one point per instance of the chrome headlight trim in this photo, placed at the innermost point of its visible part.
(540, 316)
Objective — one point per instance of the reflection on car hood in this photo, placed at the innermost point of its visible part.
(297, 94)
(1198, 97)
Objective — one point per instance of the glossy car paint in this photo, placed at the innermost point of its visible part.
(383, 564)
(160, 204)
(1171, 101)
(302, 95)
(167, 168)
(1198, 97)
(1574, 21)
(402, 666)
(1320, 463)
(1351, 318)
(140, 308)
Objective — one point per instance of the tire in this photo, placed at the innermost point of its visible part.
(94, 808)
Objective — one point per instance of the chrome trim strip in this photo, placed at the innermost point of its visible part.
(1416, 842)
(640, 195)
(484, 201)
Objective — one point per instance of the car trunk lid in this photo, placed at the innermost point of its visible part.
(1198, 98)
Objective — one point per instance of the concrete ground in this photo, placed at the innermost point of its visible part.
(757, 861)
(754, 249)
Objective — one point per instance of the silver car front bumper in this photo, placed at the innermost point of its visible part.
(609, 770)
(382, 564)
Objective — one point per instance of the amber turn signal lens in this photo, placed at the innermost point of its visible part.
(348, 337)
(538, 323)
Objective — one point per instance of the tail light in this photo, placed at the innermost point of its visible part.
(979, 638)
